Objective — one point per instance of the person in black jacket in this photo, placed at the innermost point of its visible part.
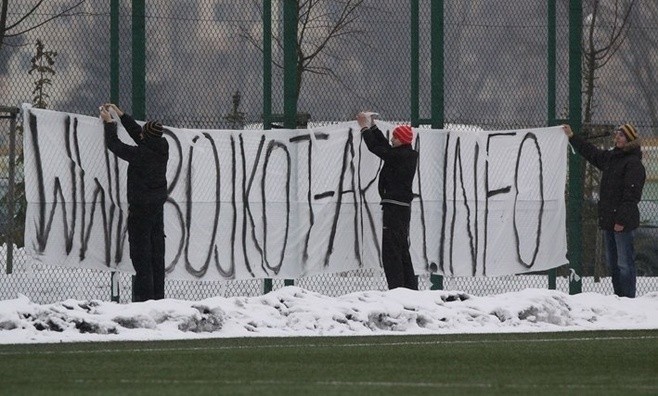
(620, 192)
(395, 181)
(147, 193)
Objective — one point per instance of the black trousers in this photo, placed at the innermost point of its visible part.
(398, 267)
(147, 248)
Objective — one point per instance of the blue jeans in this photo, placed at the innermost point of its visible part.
(620, 258)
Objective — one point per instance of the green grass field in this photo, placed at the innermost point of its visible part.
(583, 363)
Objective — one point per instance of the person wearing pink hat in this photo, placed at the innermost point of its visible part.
(395, 182)
(620, 192)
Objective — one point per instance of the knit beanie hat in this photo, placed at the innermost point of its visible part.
(153, 129)
(630, 132)
(403, 133)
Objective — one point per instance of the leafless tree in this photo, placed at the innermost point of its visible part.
(606, 29)
(28, 21)
(642, 66)
(319, 24)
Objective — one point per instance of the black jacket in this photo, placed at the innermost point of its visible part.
(397, 174)
(622, 182)
(147, 162)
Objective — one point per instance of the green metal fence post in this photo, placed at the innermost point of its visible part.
(290, 72)
(114, 51)
(267, 85)
(436, 85)
(115, 294)
(437, 65)
(11, 192)
(114, 98)
(267, 285)
(267, 64)
(289, 76)
(290, 64)
(415, 55)
(415, 63)
(438, 113)
(576, 171)
(139, 60)
(138, 69)
(551, 91)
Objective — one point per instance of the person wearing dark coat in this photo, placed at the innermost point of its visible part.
(620, 192)
(395, 182)
(147, 193)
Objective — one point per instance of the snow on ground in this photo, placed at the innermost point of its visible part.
(293, 311)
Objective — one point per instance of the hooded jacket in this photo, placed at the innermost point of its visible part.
(622, 181)
(397, 174)
(147, 162)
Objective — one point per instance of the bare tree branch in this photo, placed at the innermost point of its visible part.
(3, 20)
(317, 28)
(642, 69)
(600, 46)
(61, 14)
(25, 16)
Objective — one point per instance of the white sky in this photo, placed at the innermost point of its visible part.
(292, 311)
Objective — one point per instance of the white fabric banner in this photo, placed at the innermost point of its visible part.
(291, 203)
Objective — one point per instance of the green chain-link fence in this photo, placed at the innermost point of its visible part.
(202, 64)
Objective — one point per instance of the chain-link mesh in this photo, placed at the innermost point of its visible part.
(204, 69)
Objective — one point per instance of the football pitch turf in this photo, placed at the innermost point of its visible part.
(582, 363)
